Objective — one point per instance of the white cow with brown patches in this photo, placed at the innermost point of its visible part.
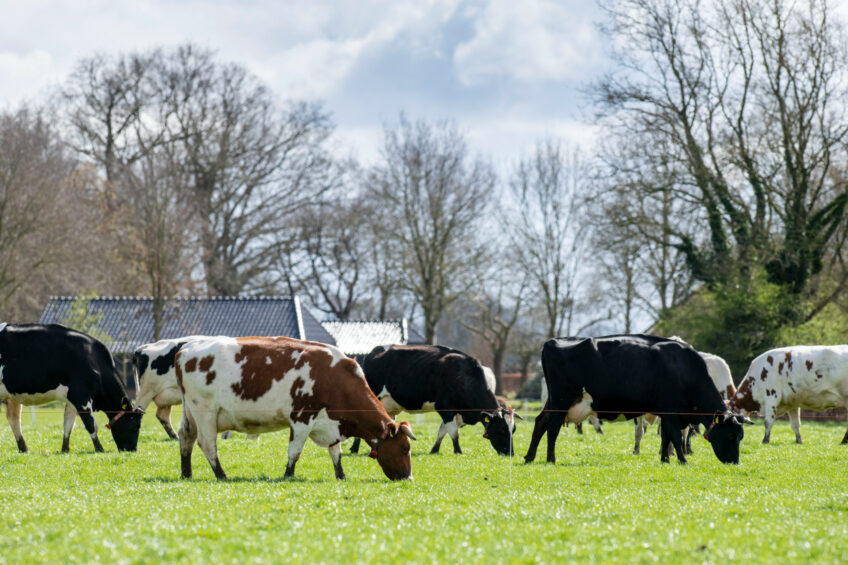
(786, 379)
(257, 385)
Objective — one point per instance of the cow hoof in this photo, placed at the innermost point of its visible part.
(635, 452)
(22, 447)
(765, 440)
(798, 440)
(434, 451)
(186, 477)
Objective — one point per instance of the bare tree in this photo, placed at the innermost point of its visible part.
(747, 99)
(329, 264)
(47, 221)
(548, 239)
(155, 200)
(439, 195)
(495, 311)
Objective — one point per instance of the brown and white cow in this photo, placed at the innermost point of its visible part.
(263, 384)
(790, 378)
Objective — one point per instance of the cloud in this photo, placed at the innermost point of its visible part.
(529, 41)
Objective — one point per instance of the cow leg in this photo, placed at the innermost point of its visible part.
(354, 448)
(163, 414)
(296, 443)
(70, 420)
(206, 422)
(845, 437)
(13, 415)
(638, 424)
(336, 455)
(795, 423)
(555, 422)
(578, 426)
(596, 423)
(443, 430)
(187, 437)
(768, 418)
(452, 428)
(687, 439)
(539, 427)
(671, 433)
(85, 408)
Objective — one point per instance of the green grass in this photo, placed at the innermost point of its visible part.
(783, 503)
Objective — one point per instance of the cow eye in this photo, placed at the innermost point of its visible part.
(405, 449)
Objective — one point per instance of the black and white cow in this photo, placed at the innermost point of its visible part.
(157, 378)
(427, 378)
(628, 376)
(44, 363)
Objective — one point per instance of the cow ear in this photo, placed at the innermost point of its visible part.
(407, 430)
(393, 427)
(126, 403)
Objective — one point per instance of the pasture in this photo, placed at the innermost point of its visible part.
(783, 503)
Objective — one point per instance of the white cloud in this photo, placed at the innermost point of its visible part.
(528, 40)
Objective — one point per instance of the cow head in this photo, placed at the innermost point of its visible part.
(725, 434)
(393, 451)
(500, 428)
(125, 425)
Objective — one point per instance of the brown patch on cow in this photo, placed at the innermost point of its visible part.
(744, 398)
(809, 364)
(729, 392)
(179, 370)
(340, 388)
(788, 359)
(770, 360)
(210, 376)
(191, 365)
(780, 368)
(206, 363)
(819, 375)
(764, 374)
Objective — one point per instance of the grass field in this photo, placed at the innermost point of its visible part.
(783, 503)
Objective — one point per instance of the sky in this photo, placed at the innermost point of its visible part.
(509, 73)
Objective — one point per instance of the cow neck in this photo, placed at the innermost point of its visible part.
(109, 395)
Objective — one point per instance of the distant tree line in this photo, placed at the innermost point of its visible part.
(713, 207)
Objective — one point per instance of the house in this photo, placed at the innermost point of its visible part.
(356, 338)
(126, 322)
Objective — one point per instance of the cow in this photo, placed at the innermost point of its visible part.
(626, 376)
(790, 378)
(44, 363)
(427, 378)
(264, 384)
(154, 366)
(722, 378)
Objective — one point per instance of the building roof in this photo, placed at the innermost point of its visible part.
(359, 337)
(128, 320)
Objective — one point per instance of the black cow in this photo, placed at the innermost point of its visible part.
(425, 378)
(43, 363)
(628, 376)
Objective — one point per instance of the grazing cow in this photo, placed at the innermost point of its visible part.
(722, 378)
(263, 384)
(43, 363)
(627, 376)
(427, 378)
(157, 379)
(790, 378)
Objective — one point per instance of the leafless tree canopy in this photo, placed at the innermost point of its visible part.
(437, 196)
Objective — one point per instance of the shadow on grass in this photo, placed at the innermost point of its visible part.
(262, 479)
